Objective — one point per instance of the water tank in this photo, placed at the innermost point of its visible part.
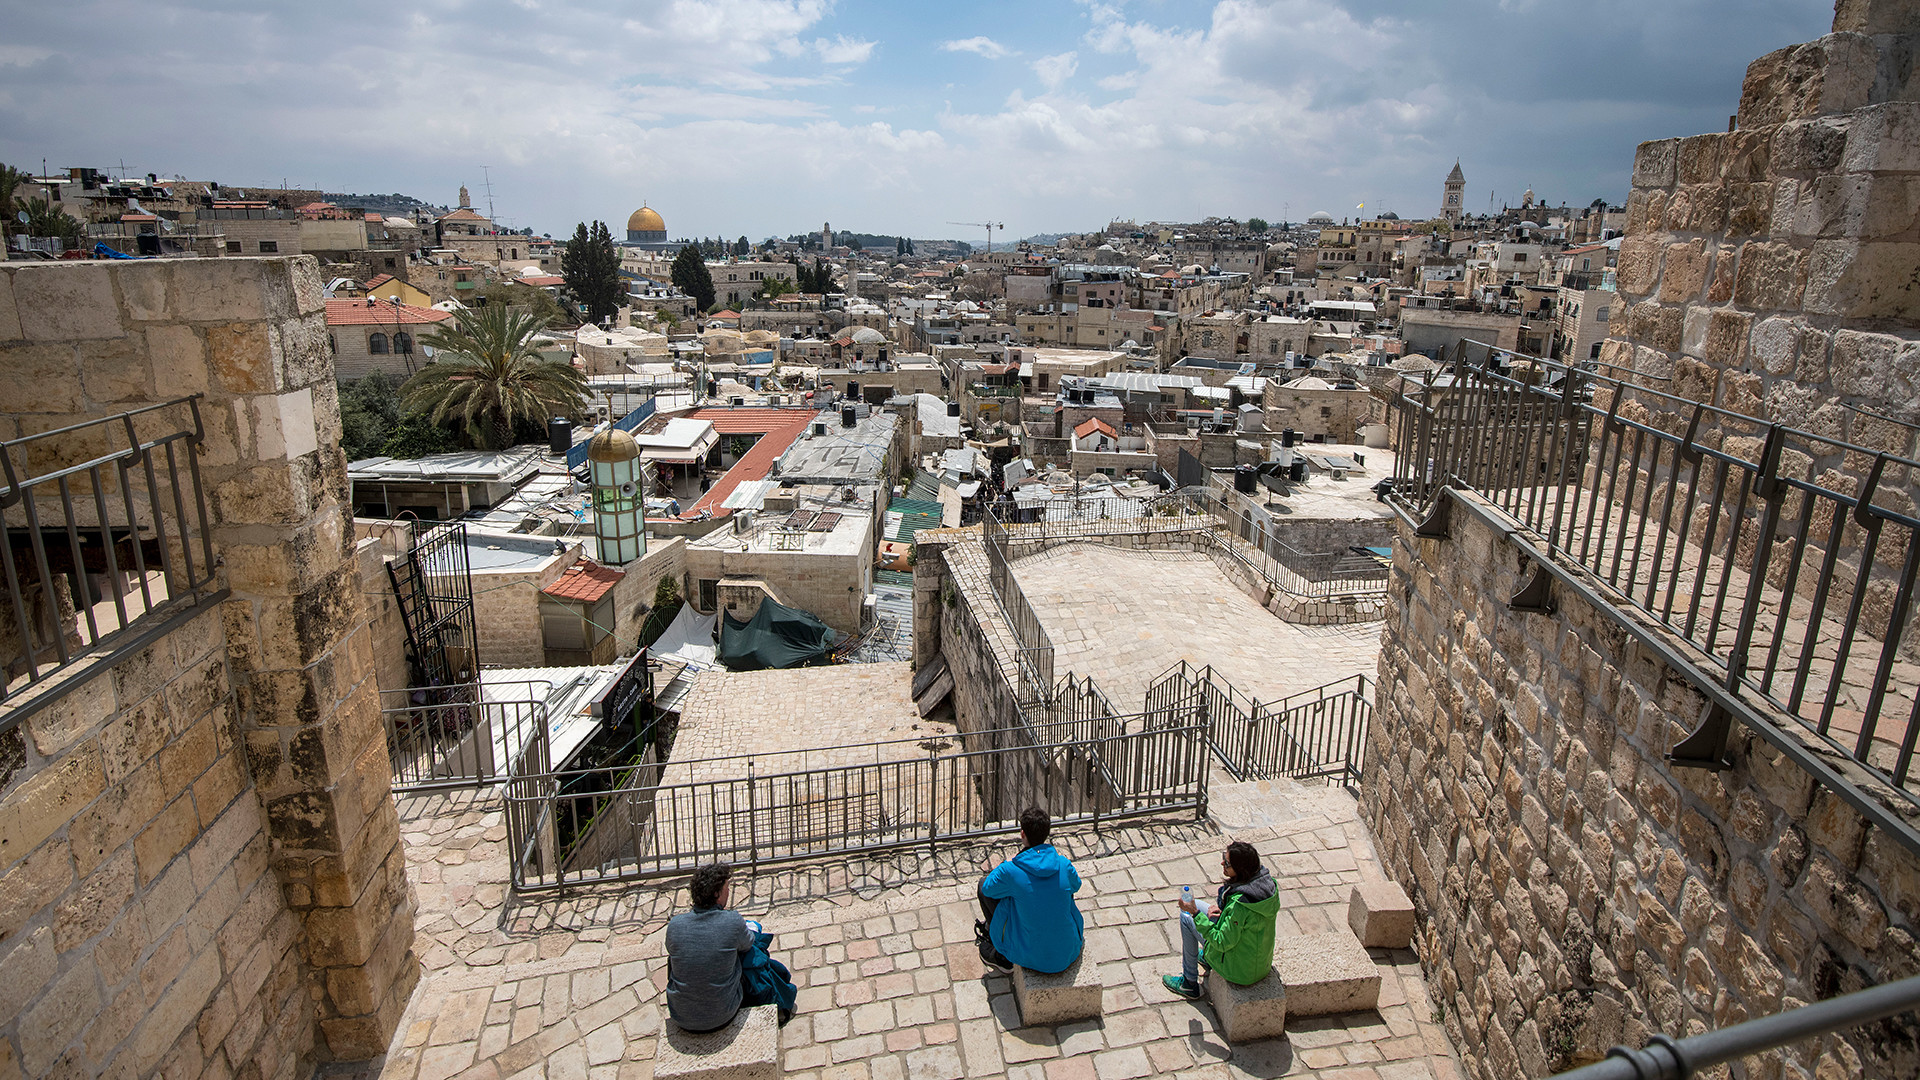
(853, 389)
(559, 435)
(1288, 438)
(848, 416)
(1245, 478)
(1298, 474)
(953, 408)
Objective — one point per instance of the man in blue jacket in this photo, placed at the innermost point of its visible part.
(1031, 919)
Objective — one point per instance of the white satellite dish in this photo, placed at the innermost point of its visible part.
(167, 225)
(238, 194)
(428, 349)
(22, 217)
(134, 205)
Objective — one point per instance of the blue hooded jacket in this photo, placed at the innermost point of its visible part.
(1036, 924)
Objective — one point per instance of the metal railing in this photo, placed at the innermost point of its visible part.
(1317, 734)
(452, 736)
(1785, 558)
(1033, 648)
(1667, 1058)
(670, 819)
(106, 537)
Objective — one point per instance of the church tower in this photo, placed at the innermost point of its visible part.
(465, 200)
(1453, 203)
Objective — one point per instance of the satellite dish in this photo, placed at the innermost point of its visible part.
(167, 225)
(239, 194)
(21, 217)
(134, 205)
(428, 349)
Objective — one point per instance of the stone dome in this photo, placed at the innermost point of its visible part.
(646, 219)
(612, 445)
(1321, 217)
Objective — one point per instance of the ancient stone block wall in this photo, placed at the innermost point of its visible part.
(83, 340)
(1770, 269)
(142, 929)
(1574, 890)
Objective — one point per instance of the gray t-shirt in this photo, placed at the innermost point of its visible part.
(703, 967)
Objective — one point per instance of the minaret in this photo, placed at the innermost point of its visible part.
(826, 236)
(465, 201)
(1452, 204)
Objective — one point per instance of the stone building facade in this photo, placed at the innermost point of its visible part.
(203, 873)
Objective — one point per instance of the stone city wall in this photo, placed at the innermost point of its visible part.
(85, 340)
(1576, 891)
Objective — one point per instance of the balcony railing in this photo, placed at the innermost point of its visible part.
(1786, 560)
(106, 542)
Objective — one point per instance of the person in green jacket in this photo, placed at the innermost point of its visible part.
(1235, 937)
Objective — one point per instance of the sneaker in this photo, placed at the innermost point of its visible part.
(1180, 987)
(991, 957)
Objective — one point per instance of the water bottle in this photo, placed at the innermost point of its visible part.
(1186, 894)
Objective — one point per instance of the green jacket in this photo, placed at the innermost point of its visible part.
(1239, 942)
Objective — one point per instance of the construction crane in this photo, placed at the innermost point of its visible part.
(987, 225)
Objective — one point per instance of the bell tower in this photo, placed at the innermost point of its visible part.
(1453, 201)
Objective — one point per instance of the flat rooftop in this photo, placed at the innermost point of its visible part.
(1125, 616)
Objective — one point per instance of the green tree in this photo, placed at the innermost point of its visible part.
(690, 276)
(416, 436)
(369, 413)
(741, 247)
(1258, 225)
(515, 294)
(776, 286)
(853, 242)
(11, 180)
(488, 377)
(46, 219)
(591, 265)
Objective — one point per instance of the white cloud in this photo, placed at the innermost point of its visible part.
(984, 46)
(843, 50)
(1056, 69)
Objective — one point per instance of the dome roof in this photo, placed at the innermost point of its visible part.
(612, 445)
(867, 335)
(646, 220)
(1320, 216)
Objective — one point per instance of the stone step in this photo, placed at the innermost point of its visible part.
(747, 1049)
(1326, 974)
(1046, 1000)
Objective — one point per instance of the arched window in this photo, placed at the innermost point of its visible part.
(403, 342)
(376, 343)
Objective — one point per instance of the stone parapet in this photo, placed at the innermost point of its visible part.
(1252, 1012)
(1326, 974)
(1381, 915)
(1577, 889)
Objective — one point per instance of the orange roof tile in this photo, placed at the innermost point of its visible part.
(380, 313)
(777, 429)
(586, 581)
(375, 283)
(1092, 425)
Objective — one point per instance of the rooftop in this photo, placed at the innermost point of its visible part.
(586, 581)
(377, 312)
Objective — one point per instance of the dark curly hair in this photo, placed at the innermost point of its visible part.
(1035, 825)
(1243, 861)
(707, 883)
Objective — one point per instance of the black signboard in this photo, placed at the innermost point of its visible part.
(634, 685)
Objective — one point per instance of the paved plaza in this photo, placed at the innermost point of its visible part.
(826, 712)
(1124, 616)
(568, 985)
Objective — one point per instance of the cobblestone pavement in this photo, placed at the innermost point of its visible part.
(568, 985)
(1125, 616)
(771, 712)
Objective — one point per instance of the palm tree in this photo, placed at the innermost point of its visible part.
(489, 377)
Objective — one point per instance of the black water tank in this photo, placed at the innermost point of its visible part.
(1245, 478)
(848, 416)
(559, 435)
(853, 390)
(1298, 474)
(953, 408)
(1287, 437)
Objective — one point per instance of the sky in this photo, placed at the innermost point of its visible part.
(769, 117)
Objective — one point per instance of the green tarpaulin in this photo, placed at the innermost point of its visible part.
(776, 637)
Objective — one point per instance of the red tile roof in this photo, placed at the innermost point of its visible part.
(1092, 425)
(586, 581)
(379, 281)
(777, 429)
(380, 313)
(463, 214)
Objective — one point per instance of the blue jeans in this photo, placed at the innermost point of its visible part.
(1190, 944)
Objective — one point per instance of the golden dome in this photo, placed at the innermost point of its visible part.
(613, 445)
(645, 220)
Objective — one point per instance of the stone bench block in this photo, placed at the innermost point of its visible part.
(747, 1049)
(1381, 915)
(1252, 1012)
(1046, 1000)
(1326, 974)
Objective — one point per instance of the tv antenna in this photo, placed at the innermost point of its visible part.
(486, 184)
(987, 225)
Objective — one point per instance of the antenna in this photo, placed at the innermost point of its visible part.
(486, 184)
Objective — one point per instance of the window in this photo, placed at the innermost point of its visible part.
(332, 345)
(1273, 347)
(233, 247)
(1594, 353)
(269, 247)
(403, 342)
(377, 343)
(1601, 315)
(709, 594)
(1519, 256)
(389, 264)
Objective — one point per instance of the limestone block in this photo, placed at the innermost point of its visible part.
(1881, 138)
(9, 315)
(747, 1049)
(65, 302)
(1828, 75)
(1653, 163)
(1252, 1012)
(1381, 915)
(1326, 974)
(1045, 1000)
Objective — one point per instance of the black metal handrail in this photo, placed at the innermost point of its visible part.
(1035, 648)
(1667, 1058)
(1782, 556)
(106, 533)
(1316, 734)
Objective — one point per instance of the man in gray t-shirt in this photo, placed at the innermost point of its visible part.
(704, 947)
